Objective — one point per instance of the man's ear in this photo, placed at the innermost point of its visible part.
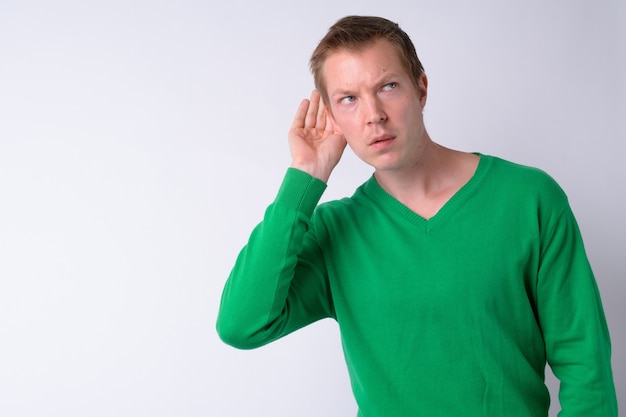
(422, 89)
(333, 124)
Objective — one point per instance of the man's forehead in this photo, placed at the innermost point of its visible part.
(373, 60)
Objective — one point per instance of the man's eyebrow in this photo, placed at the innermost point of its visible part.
(387, 77)
(341, 92)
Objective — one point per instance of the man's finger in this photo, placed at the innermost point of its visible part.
(298, 119)
(321, 116)
(311, 114)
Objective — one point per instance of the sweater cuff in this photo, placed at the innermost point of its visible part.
(300, 191)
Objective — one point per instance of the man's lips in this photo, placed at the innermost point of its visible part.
(381, 138)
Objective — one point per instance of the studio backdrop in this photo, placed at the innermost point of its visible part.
(141, 141)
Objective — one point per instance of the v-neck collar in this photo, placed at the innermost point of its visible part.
(375, 191)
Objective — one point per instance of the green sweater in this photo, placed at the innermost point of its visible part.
(451, 316)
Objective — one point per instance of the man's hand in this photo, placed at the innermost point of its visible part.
(316, 147)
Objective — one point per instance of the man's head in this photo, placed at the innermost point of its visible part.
(353, 33)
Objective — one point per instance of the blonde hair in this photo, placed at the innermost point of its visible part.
(354, 33)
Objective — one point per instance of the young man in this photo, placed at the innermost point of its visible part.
(454, 277)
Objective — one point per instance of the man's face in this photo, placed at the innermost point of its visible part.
(376, 106)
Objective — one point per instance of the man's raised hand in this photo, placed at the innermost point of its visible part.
(316, 147)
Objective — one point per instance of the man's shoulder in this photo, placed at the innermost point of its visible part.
(342, 208)
(524, 180)
(506, 170)
(342, 205)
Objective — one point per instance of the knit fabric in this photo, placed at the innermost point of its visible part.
(451, 316)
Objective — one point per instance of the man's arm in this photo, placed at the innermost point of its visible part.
(278, 283)
(577, 339)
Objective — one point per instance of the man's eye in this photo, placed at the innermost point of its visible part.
(390, 86)
(347, 99)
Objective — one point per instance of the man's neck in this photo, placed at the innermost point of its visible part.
(428, 185)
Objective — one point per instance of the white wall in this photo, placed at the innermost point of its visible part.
(140, 142)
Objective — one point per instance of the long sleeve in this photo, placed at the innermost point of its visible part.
(572, 319)
(278, 283)
(454, 315)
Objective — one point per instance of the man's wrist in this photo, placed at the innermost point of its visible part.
(300, 191)
(313, 170)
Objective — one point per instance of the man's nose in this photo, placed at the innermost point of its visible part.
(375, 112)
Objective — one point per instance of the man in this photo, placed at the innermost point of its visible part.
(454, 277)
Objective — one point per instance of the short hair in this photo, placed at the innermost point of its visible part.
(353, 33)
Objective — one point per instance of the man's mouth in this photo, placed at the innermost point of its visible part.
(381, 138)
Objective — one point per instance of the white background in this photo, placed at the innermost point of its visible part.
(140, 142)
